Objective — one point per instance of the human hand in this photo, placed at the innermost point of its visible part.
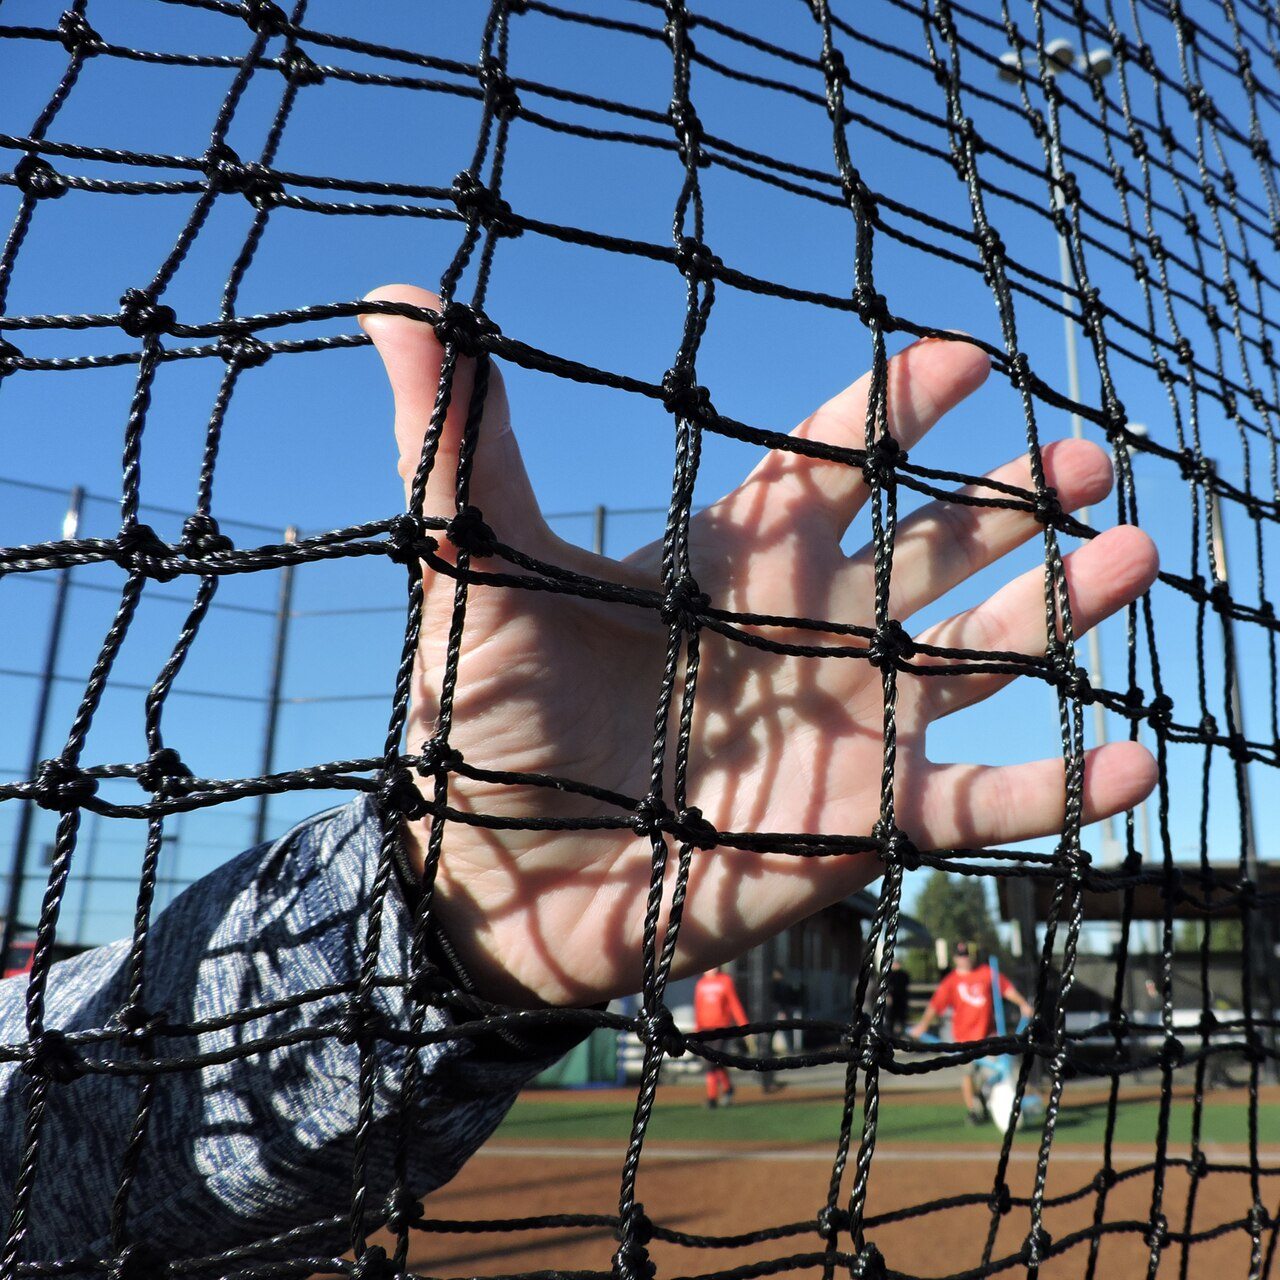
(558, 685)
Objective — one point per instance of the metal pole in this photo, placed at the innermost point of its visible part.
(26, 814)
(1261, 936)
(284, 614)
(597, 541)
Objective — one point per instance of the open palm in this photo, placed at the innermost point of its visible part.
(557, 685)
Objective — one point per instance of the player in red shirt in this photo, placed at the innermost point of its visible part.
(967, 991)
(716, 1005)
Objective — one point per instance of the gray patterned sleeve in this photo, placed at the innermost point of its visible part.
(258, 1144)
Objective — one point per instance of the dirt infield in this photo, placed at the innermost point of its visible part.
(723, 1188)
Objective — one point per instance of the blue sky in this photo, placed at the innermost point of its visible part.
(308, 439)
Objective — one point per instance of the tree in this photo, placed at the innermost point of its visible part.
(955, 907)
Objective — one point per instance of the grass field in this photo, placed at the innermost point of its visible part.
(805, 1117)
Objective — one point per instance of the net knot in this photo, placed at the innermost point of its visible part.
(139, 549)
(142, 316)
(874, 1050)
(474, 200)
(373, 1264)
(871, 307)
(138, 1021)
(890, 646)
(650, 816)
(1172, 1051)
(408, 540)
(831, 1221)
(636, 1225)
(227, 173)
(76, 35)
(51, 1057)
(1105, 1179)
(201, 537)
(403, 1211)
(1207, 1023)
(632, 1262)
(360, 1025)
(242, 349)
(1071, 679)
(1156, 1235)
(1198, 1165)
(1258, 1218)
(896, 847)
(437, 754)
(684, 606)
(1046, 508)
(1000, 1202)
(878, 464)
(468, 532)
(659, 1031)
(690, 827)
(60, 786)
(37, 178)
(991, 244)
(467, 328)
(688, 129)
(139, 1262)
(400, 795)
(1036, 1247)
(264, 17)
(499, 90)
(1195, 467)
(856, 192)
(298, 68)
(1209, 725)
(834, 67)
(684, 397)
(164, 771)
(695, 259)
(869, 1264)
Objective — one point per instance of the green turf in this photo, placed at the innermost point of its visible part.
(793, 1118)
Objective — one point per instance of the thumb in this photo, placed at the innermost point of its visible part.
(412, 357)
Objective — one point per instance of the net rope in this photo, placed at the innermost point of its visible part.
(1193, 229)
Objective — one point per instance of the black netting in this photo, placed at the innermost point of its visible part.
(1153, 166)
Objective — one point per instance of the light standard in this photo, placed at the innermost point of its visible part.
(1060, 55)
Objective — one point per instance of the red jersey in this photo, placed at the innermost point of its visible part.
(716, 1003)
(968, 996)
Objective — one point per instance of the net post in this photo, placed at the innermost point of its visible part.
(597, 534)
(284, 616)
(26, 815)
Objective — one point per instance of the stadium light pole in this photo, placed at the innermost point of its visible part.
(26, 815)
(1060, 55)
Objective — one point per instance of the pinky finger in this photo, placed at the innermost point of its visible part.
(972, 806)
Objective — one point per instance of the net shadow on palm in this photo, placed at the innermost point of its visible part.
(567, 687)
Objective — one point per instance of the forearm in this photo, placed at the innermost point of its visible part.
(257, 1135)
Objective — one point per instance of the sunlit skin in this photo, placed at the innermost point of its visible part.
(556, 685)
